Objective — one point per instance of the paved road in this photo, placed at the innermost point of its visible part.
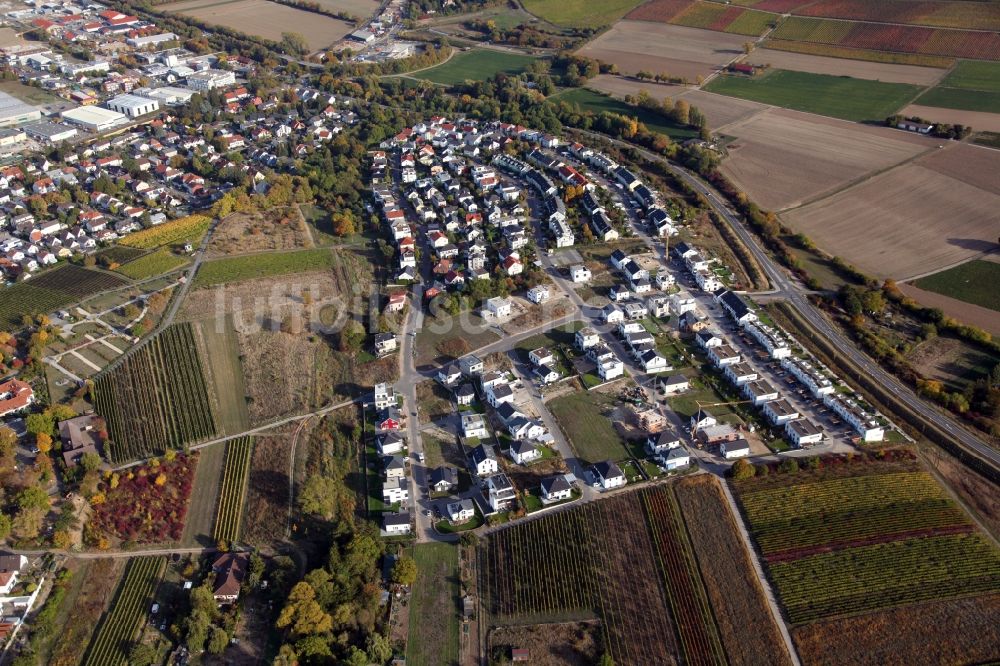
(796, 294)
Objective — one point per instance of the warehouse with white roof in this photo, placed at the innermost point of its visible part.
(133, 106)
(94, 118)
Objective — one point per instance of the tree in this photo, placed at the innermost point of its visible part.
(143, 654)
(682, 112)
(5, 525)
(378, 648)
(28, 522)
(8, 442)
(218, 640)
(742, 470)
(302, 615)
(40, 423)
(352, 336)
(606, 660)
(44, 442)
(404, 572)
(90, 461)
(319, 496)
(32, 497)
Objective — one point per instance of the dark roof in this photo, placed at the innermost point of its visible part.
(396, 518)
(465, 389)
(522, 447)
(507, 411)
(554, 484)
(674, 380)
(481, 453)
(230, 568)
(735, 304)
(501, 481)
(607, 469)
(447, 474)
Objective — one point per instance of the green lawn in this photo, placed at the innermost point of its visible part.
(582, 417)
(476, 65)
(973, 282)
(974, 75)
(589, 100)
(248, 267)
(580, 13)
(434, 609)
(837, 96)
(961, 98)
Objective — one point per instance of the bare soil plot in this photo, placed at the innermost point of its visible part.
(276, 229)
(559, 644)
(966, 631)
(904, 222)
(662, 48)
(783, 158)
(859, 69)
(950, 360)
(967, 313)
(266, 19)
(218, 345)
(979, 120)
(719, 109)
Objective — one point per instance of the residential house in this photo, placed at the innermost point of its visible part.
(396, 491)
(449, 374)
(393, 467)
(608, 474)
(499, 394)
(865, 421)
(385, 343)
(737, 307)
(739, 448)
(803, 431)
(15, 396)
(461, 511)
(497, 307)
(230, 570)
(390, 443)
(780, 411)
(539, 293)
(580, 274)
(675, 458)
(471, 366)
(541, 356)
(740, 373)
(759, 392)
(474, 426)
(79, 436)
(586, 338)
(396, 524)
(501, 493)
(555, 489)
(443, 479)
(610, 368)
(483, 461)
(11, 567)
(465, 394)
(652, 362)
(702, 419)
(385, 396)
(660, 442)
(523, 452)
(675, 384)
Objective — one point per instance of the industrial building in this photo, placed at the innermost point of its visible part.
(14, 112)
(94, 118)
(133, 106)
(210, 79)
(47, 132)
(169, 95)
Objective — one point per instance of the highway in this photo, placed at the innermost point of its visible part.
(794, 293)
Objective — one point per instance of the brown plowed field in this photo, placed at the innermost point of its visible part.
(719, 110)
(784, 158)
(905, 222)
(971, 164)
(660, 48)
(859, 69)
(979, 120)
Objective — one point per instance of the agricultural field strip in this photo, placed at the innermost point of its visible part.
(886, 575)
(156, 399)
(234, 485)
(122, 618)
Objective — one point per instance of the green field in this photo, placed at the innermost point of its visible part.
(961, 98)
(589, 100)
(582, 417)
(475, 65)
(155, 263)
(837, 96)
(974, 75)
(434, 609)
(973, 282)
(251, 266)
(580, 13)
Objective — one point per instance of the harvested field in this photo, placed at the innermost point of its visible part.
(719, 109)
(661, 48)
(971, 164)
(833, 51)
(730, 580)
(909, 234)
(979, 120)
(561, 644)
(874, 71)
(784, 158)
(265, 19)
(967, 313)
(277, 229)
(580, 13)
(965, 631)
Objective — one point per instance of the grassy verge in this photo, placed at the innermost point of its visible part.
(591, 432)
